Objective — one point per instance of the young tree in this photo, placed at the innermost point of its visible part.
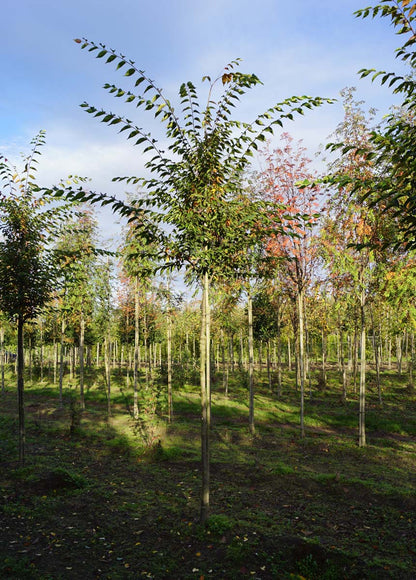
(196, 184)
(27, 272)
(76, 248)
(391, 146)
(354, 234)
(285, 167)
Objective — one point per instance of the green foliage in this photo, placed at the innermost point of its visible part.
(219, 524)
(193, 204)
(390, 149)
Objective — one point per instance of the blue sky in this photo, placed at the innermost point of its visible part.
(299, 47)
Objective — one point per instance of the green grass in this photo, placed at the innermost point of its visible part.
(119, 498)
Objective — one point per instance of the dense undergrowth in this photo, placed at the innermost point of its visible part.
(112, 497)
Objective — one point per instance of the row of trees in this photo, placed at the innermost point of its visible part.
(253, 235)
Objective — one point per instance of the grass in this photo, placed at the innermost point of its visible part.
(119, 498)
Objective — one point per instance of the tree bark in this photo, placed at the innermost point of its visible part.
(205, 394)
(3, 389)
(136, 348)
(81, 360)
(301, 359)
(61, 363)
(361, 429)
(107, 356)
(169, 363)
(20, 390)
(250, 362)
(269, 366)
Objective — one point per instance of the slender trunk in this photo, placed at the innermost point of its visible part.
(350, 353)
(343, 366)
(410, 362)
(250, 361)
(301, 360)
(107, 364)
(399, 354)
(55, 361)
(41, 350)
(241, 359)
(114, 348)
(20, 390)
(208, 348)
(193, 350)
(339, 350)
(355, 359)
(61, 363)
(279, 354)
(136, 349)
(223, 363)
(269, 371)
(205, 463)
(324, 357)
(169, 363)
(377, 358)
(361, 433)
(30, 361)
(81, 360)
(3, 388)
(260, 361)
(308, 355)
(121, 360)
(389, 353)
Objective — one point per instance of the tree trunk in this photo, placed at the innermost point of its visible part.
(377, 360)
(269, 366)
(61, 363)
(301, 321)
(55, 361)
(410, 362)
(343, 366)
(399, 354)
(169, 363)
(279, 354)
(107, 364)
(136, 349)
(81, 360)
(250, 362)
(20, 390)
(208, 348)
(205, 395)
(241, 359)
(30, 361)
(3, 389)
(361, 430)
(355, 360)
(41, 350)
(224, 369)
(324, 357)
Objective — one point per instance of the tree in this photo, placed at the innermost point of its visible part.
(27, 272)
(354, 233)
(195, 187)
(103, 318)
(391, 145)
(137, 265)
(76, 248)
(285, 167)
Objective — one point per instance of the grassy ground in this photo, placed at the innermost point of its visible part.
(112, 498)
